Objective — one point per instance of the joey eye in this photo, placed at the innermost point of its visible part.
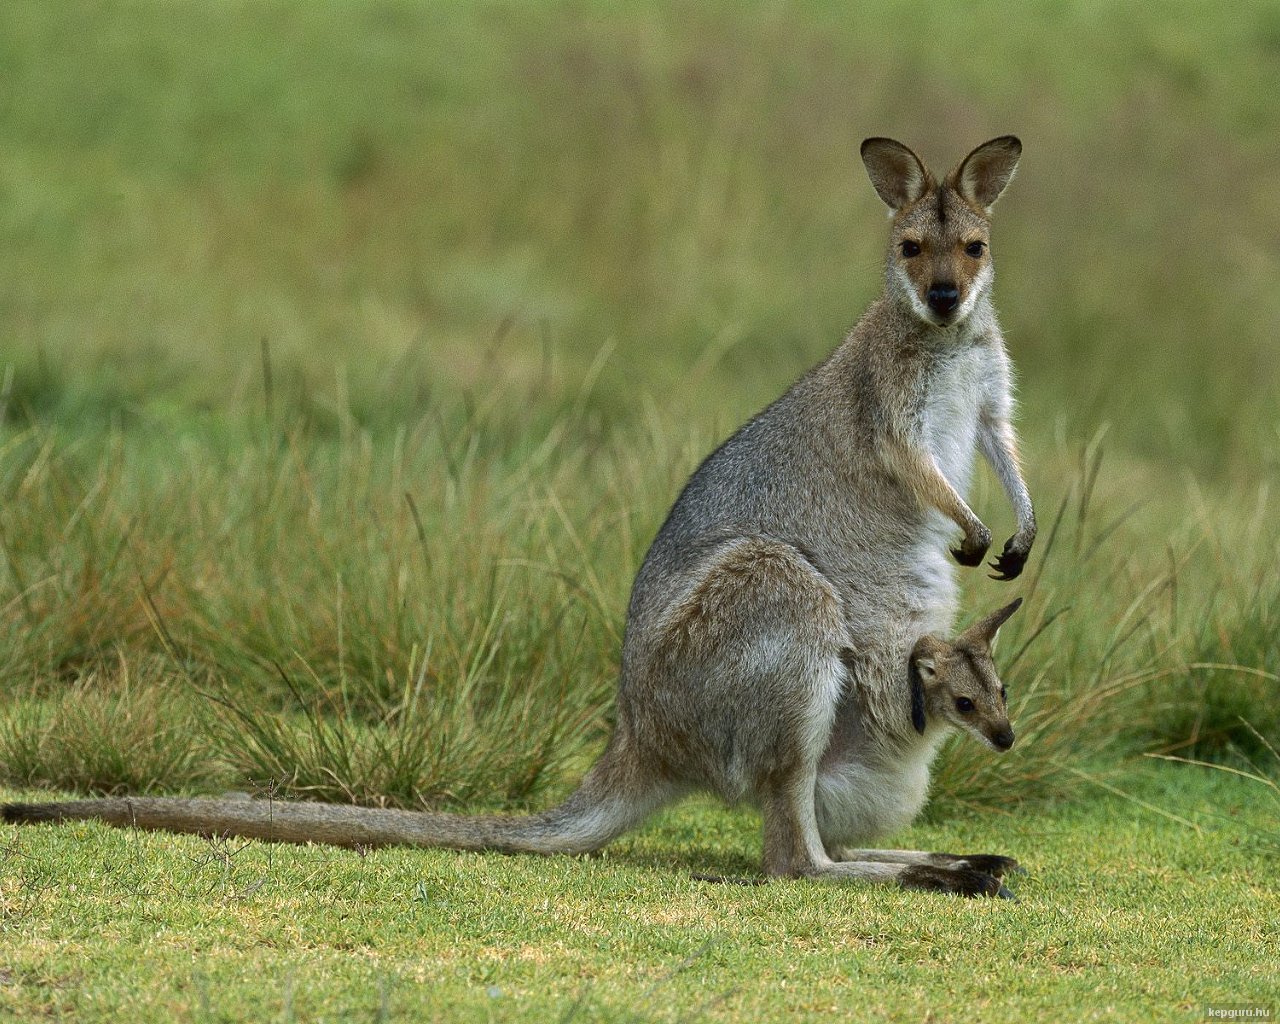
(975, 249)
(1004, 695)
(964, 705)
(910, 248)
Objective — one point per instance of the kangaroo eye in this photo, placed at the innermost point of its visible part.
(1004, 695)
(964, 705)
(975, 249)
(910, 248)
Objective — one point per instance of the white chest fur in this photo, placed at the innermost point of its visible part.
(950, 420)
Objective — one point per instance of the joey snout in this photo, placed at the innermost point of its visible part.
(1001, 739)
(983, 717)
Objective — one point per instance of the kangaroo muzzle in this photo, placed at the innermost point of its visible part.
(943, 299)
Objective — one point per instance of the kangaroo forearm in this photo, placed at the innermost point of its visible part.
(1000, 447)
(921, 475)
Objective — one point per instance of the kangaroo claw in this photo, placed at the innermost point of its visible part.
(969, 558)
(1008, 565)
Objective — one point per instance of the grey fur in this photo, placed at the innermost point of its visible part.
(798, 584)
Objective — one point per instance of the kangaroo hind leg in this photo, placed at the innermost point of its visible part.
(753, 651)
(791, 834)
(988, 863)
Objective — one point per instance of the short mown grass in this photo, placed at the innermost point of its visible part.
(1126, 915)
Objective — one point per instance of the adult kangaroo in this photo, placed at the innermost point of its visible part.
(786, 637)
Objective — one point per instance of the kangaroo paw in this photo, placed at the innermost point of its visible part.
(1009, 563)
(969, 557)
(958, 881)
(991, 864)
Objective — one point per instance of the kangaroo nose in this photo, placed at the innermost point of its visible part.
(942, 298)
(1003, 739)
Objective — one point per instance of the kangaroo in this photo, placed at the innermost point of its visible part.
(873, 780)
(783, 638)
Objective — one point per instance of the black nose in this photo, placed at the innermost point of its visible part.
(942, 298)
(1003, 739)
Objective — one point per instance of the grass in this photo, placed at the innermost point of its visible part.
(1126, 915)
(350, 355)
(372, 636)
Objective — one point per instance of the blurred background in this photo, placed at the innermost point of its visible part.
(267, 269)
(410, 197)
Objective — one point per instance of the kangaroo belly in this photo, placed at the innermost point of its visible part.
(858, 803)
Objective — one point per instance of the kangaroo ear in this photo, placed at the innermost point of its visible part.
(915, 668)
(983, 632)
(985, 172)
(896, 173)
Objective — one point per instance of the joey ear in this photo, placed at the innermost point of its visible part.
(916, 668)
(896, 173)
(984, 173)
(999, 618)
(983, 632)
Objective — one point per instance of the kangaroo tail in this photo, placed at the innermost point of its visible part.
(609, 801)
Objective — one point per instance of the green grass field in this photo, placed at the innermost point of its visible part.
(350, 355)
(1162, 920)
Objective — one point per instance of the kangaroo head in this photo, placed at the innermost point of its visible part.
(939, 262)
(956, 682)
